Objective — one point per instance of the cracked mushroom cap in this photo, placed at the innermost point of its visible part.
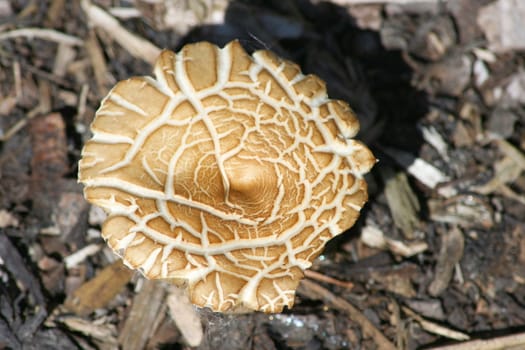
(226, 173)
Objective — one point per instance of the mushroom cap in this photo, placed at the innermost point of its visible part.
(227, 173)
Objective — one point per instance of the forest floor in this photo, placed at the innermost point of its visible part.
(437, 258)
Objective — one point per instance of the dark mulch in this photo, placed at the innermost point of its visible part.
(442, 112)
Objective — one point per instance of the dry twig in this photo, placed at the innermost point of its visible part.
(434, 327)
(45, 34)
(515, 341)
(136, 46)
(327, 279)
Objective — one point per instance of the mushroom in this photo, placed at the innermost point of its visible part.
(227, 174)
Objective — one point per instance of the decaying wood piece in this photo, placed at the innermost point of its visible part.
(139, 325)
(375, 238)
(185, 316)
(99, 291)
(48, 165)
(402, 201)
(507, 170)
(501, 22)
(452, 244)
(104, 335)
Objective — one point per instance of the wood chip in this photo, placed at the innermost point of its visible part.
(7, 219)
(106, 334)
(49, 163)
(502, 23)
(99, 291)
(402, 201)
(185, 316)
(44, 34)
(140, 323)
(512, 152)
(507, 171)
(375, 238)
(425, 172)
(434, 138)
(452, 244)
(464, 210)
(81, 255)
(397, 279)
(5, 8)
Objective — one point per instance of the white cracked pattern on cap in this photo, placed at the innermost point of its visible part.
(227, 173)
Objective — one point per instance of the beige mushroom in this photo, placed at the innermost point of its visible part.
(227, 173)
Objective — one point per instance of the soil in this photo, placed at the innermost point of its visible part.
(437, 258)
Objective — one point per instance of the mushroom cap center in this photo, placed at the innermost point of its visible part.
(253, 186)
